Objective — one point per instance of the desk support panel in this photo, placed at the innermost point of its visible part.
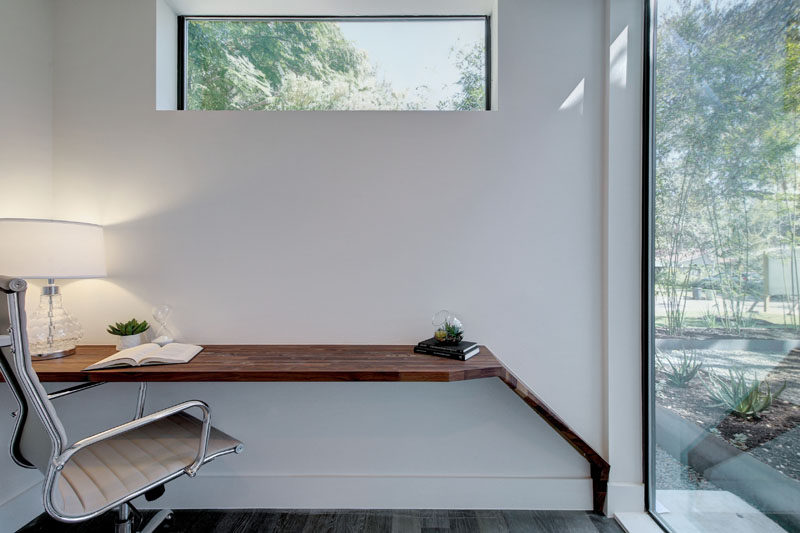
(598, 467)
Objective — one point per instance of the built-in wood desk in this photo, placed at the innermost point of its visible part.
(241, 362)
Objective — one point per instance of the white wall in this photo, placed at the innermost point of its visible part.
(166, 54)
(26, 107)
(26, 171)
(332, 227)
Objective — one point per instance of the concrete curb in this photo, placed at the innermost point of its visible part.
(727, 467)
(748, 345)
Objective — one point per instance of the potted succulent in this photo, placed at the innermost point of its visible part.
(450, 332)
(130, 333)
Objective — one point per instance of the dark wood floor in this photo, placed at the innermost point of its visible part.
(353, 521)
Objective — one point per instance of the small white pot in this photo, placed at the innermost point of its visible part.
(129, 341)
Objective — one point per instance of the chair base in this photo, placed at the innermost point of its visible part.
(163, 514)
(124, 522)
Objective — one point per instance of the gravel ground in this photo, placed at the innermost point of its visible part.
(672, 475)
(781, 453)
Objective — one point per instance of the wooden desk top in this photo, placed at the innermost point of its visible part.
(243, 362)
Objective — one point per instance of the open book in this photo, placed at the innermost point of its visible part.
(149, 354)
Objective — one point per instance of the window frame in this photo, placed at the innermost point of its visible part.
(648, 260)
(183, 49)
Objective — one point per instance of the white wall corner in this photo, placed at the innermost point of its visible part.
(622, 164)
(166, 59)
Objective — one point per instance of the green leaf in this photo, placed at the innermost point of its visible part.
(131, 327)
(739, 395)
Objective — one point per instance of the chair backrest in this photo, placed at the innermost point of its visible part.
(38, 436)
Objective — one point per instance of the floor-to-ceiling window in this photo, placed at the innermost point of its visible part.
(725, 235)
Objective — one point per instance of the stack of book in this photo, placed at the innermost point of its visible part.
(461, 351)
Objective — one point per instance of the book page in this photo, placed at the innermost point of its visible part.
(173, 352)
(130, 356)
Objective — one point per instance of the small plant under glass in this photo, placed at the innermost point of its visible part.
(449, 330)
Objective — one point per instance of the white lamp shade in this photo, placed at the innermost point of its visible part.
(32, 248)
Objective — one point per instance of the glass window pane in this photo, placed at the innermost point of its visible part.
(727, 274)
(348, 64)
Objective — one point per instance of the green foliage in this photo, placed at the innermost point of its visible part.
(258, 65)
(453, 330)
(286, 65)
(131, 327)
(740, 395)
(471, 63)
(726, 99)
(792, 68)
(449, 332)
(672, 284)
(739, 440)
(680, 374)
(709, 319)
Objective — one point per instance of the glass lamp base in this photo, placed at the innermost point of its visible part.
(53, 355)
(52, 332)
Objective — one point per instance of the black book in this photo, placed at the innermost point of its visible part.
(451, 355)
(460, 348)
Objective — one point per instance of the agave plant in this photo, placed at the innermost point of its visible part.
(740, 395)
(680, 374)
(453, 329)
(131, 327)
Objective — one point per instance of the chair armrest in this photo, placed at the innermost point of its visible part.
(191, 469)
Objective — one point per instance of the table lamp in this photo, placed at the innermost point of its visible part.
(50, 249)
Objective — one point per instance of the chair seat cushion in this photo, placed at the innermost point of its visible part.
(117, 467)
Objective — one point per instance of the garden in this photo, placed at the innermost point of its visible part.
(726, 240)
(749, 399)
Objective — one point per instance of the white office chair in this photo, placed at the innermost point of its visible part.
(107, 470)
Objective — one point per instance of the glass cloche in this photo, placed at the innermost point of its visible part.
(449, 329)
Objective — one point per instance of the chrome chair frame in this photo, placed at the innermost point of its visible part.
(29, 397)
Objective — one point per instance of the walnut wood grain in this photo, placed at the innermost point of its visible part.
(242, 362)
